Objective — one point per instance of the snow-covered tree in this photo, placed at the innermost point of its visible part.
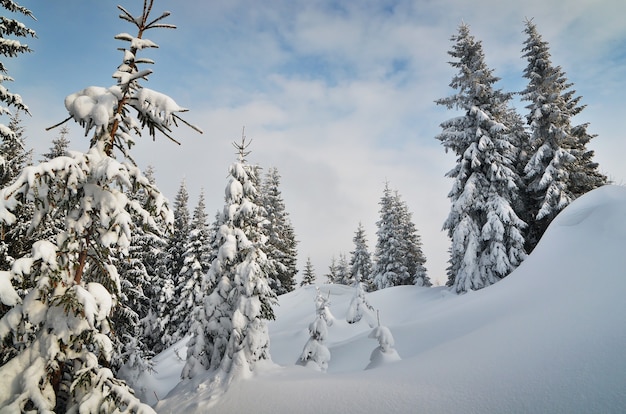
(389, 266)
(360, 258)
(360, 307)
(486, 233)
(230, 332)
(331, 276)
(195, 265)
(344, 276)
(385, 352)
(308, 275)
(315, 353)
(281, 243)
(60, 330)
(174, 262)
(399, 258)
(148, 248)
(60, 145)
(560, 167)
(14, 240)
(13, 154)
(411, 245)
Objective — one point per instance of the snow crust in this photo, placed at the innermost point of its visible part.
(548, 338)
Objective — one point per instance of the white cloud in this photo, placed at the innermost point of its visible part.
(339, 97)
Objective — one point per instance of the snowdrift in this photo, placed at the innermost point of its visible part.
(551, 337)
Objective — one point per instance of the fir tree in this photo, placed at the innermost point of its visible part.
(411, 245)
(486, 233)
(360, 307)
(12, 152)
(560, 167)
(400, 260)
(331, 276)
(60, 145)
(195, 265)
(176, 246)
(360, 259)
(315, 352)
(230, 333)
(308, 276)
(281, 243)
(15, 241)
(66, 318)
(343, 274)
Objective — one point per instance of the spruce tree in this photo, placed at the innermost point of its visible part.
(411, 245)
(281, 243)
(230, 333)
(60, 145)
(486, 233)
(12, 151)
(308, 276)
(15, 241)
(331, 276)
(66, 319)
(315, 352)
(195, 265)
(560, 167)
(390, 268)
(344, 275)
(360, 258)
(176, 246)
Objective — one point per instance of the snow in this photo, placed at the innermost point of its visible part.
(548, 338)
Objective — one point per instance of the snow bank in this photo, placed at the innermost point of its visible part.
(548, 338)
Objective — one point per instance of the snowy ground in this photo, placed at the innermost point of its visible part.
(549, 338)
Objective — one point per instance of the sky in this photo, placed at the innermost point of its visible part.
(338, 95)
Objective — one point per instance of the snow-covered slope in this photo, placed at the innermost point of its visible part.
(551, 337)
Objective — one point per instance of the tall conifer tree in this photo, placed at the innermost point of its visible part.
(67, 348)
(560, 167)
(360, 259)
(281, 243)
(176, 246)
(308, 275)
(486, 233)
(230, 333)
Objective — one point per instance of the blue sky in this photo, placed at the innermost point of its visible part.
(338, 95)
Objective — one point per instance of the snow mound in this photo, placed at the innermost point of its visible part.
(548, 338)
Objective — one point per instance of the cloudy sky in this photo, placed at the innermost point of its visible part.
(336, 94)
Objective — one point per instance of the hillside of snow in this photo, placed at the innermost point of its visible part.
(549, 338)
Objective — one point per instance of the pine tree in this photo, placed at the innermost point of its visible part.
(171, 294)
(66, 318)
(281, 244)
(308, 276)
(560, 168)
(195, 265)
(486, 233)
(360, 258)
(230, 333)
